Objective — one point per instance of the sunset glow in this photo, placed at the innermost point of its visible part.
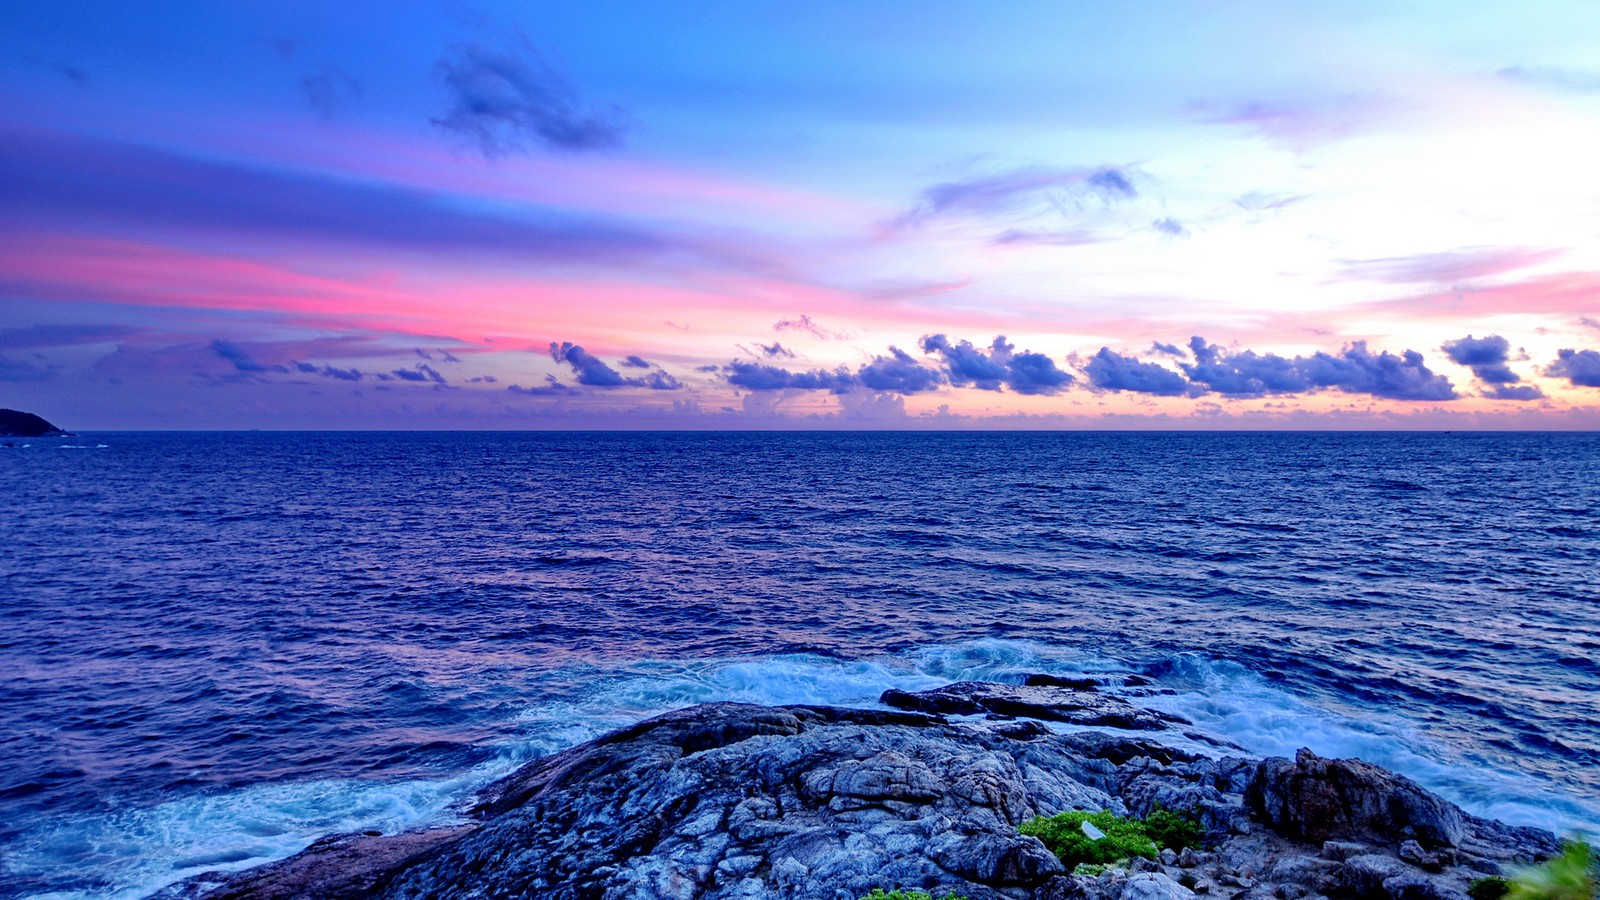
(768, 216)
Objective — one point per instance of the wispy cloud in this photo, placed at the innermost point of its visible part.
(1447, 268)
(511, 100)
(1574, 80)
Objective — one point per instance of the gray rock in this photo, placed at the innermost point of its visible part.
(737, 802)
(1412, 852)
(1314, 799)
(1050, 703)
(1153, 886)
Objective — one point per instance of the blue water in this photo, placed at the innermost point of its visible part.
(217, 647)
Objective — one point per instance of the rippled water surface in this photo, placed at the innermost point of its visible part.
(216, 647)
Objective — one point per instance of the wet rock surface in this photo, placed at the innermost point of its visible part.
(730, 800)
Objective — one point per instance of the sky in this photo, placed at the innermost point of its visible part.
(515, 215)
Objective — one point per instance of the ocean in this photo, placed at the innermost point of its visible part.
(216, 647)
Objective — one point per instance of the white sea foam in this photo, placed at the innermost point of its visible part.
(141, 850)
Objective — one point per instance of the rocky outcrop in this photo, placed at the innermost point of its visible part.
(1035, 700)
(15, 423)
(728, 800)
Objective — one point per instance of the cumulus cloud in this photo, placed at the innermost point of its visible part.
(1025, 373)
(1514, 392)
(1243, 374)
(755, 376)
(551, 388)
(592, 371)
(1357, 370)
(1115, 372)
(1486, 357)
(967, 365)
(589, 369)
(1581, 368)
(506, 100)
(898, 372)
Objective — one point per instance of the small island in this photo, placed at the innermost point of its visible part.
(15, 423)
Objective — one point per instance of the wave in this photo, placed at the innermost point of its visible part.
(133, 852)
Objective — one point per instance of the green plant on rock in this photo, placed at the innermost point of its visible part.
(897, 894)
(1172, 830)
(1124, 839)
(1063, 834)
(1569, 876)
(1491, 888)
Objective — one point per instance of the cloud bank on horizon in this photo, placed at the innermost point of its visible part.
(538, 215)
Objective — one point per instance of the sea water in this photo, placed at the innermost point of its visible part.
(218, 647)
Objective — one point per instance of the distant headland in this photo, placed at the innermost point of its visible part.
(15, 423)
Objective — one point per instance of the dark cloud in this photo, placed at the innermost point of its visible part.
(241, 359)
(506, 101)
(36, 336)
(56, 181)
(1034, 373)
(589, 369)
(1486, 357)
(551, 388)
(1244, 374)
(341, 374)
(592, 371)
(635, 362)
(21, 370)
(330, 90)
(967, 365)
(1168, 349)
(1115, 372)
(1356, 370)
(1514, 392)
(1169, 226)
(898, 372)
(483, 379)
(1580, 367)
(1025, 373)
(72, 73)
(762, 377)
(775, 350)
(1112, 183)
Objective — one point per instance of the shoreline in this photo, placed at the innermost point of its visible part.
(729, 800)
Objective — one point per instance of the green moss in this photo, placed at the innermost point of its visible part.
(1570, 876)
(1063, 834)
(1124, 838)
(897, 894)
(1491, 888)
(1171, 830)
